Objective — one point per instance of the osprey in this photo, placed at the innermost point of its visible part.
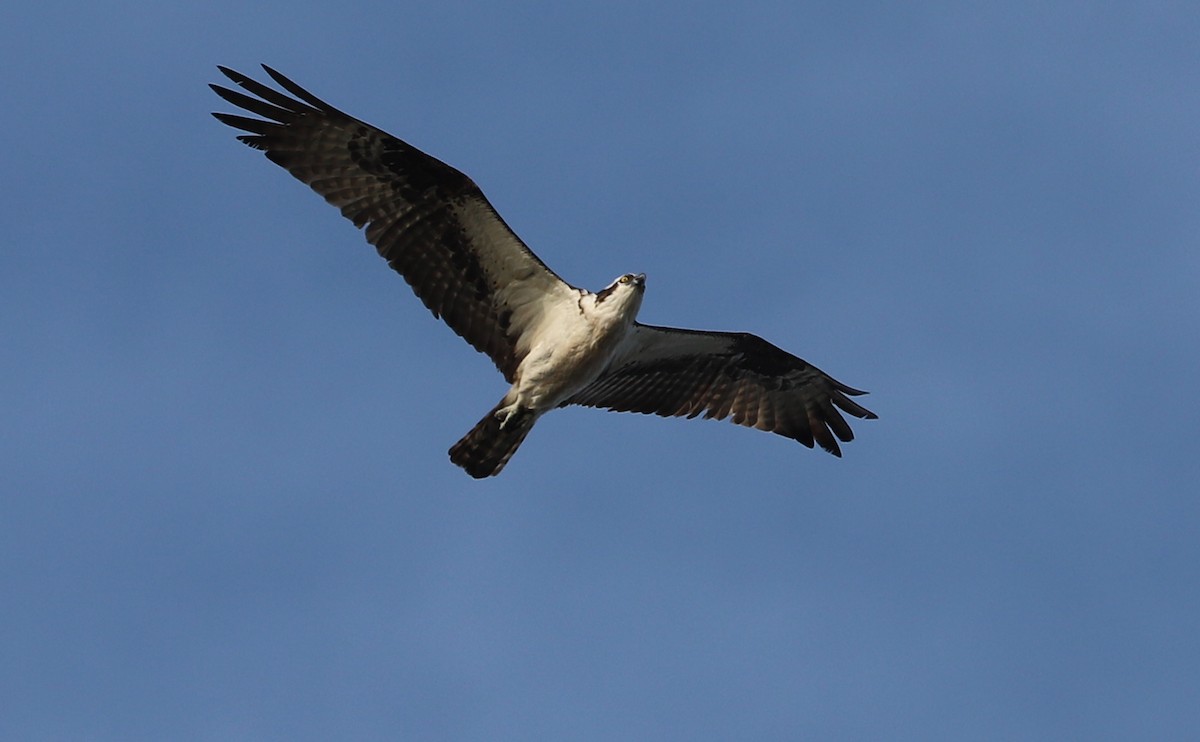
(556, 344)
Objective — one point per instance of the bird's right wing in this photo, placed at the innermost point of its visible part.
(669, 371)
(428, 220)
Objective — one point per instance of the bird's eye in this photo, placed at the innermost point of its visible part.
(625, 279)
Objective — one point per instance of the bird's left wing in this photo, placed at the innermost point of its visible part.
(670, 372)
(428, 220)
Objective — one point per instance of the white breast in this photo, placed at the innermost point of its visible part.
(568, 349)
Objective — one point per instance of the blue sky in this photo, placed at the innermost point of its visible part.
(227, 511)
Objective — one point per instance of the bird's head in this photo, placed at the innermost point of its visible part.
(624, 294)
(624, 286)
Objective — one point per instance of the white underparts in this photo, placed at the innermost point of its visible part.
(569, 348)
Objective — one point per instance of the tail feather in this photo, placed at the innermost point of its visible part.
(487, 448)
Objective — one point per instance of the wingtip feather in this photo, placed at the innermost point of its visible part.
(296, 90)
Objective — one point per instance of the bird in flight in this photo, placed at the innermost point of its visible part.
(555, 344)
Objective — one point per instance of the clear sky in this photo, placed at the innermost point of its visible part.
(227, 512)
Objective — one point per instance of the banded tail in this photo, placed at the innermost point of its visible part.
(487, 448)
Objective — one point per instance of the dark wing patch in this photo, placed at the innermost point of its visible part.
(428, 220)
(671, 372)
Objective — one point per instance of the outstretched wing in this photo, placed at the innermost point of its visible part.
(670, 372)
(429, 221)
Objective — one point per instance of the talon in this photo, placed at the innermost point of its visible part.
(505, 414)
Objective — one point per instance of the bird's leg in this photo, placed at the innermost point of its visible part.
(506, 413)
